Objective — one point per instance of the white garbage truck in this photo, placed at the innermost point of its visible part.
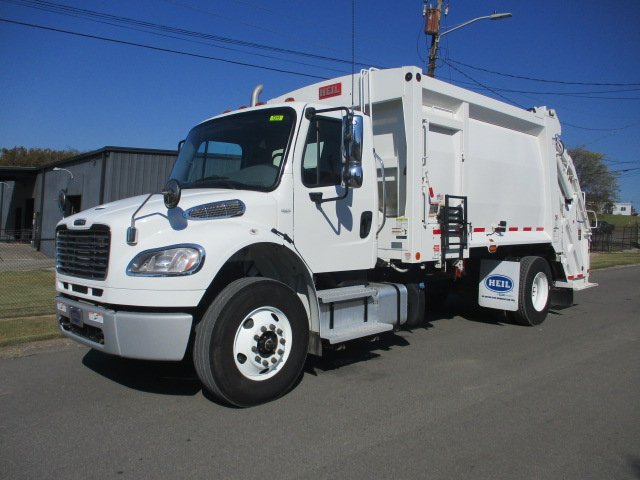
(337, 211)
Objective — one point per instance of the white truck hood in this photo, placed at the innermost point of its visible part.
(153, 217)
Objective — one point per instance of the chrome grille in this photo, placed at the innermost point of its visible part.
(83, 253)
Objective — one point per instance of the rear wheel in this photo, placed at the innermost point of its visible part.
(534, 292)
(251, 344)
(437, 299)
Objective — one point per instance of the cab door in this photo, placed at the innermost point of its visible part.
(337, 233)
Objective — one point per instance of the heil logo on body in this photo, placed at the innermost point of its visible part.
(499, 283)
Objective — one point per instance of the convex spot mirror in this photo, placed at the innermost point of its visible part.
(62, 201)
(352, 133)
(171, 194)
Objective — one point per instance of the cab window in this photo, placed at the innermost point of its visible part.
(322, 159)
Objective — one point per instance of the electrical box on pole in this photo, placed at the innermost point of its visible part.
(432, 21)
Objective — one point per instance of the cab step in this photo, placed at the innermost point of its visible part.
(358, 331)
(357, 311)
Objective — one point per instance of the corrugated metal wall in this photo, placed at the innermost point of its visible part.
(85, 183)
(128, 172)
(135, 173)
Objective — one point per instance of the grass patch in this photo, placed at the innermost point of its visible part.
(604, 260)
(27, 293)
(27, 329)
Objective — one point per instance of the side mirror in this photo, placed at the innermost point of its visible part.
(62, 201)
(171, 194)
(352, 135)
(180, 145)
(352, 174)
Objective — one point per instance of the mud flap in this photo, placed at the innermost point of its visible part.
(561, 297)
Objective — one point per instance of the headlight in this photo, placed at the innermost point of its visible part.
(166, 262)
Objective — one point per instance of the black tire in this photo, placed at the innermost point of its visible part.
(229, 319)
(437, 299)
(534, 294)
(415, 307)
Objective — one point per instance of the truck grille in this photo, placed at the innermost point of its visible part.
(83, 253)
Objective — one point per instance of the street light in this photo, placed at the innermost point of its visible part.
(58, 169)
(435, 43)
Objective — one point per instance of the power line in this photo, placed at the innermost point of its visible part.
(601, 129)
(562, 82)
(496, 91)
(625, 170)
(159, 49)
(311, 39)
(585, 94)
(482, 85)
(84, 13)
(209, 44)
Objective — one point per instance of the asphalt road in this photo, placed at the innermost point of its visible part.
(466, 397)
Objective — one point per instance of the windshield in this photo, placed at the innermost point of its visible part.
(242, 151)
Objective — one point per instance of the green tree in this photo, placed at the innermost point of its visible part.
(33, 157)
(596, 180)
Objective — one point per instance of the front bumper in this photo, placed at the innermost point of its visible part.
(147, 336)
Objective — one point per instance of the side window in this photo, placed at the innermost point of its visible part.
(322, 160)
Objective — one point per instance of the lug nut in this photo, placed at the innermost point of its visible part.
(256, 337)
(283, 341)
(272, 327)
(254, 349)
(265, 363)
(258, 359)
(279, 331)
(263, 329)
(273, 360)
(280, 352)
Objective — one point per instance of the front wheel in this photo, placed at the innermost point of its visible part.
(251, 343)
(534, 292)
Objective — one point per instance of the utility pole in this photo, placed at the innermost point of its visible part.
(432, 18)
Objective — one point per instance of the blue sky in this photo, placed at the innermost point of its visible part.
(59, 90)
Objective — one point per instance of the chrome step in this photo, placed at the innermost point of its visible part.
(359, 331)
(344, 294)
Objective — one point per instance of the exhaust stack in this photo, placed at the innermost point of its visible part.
(255, 94)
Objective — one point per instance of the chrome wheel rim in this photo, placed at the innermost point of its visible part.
(262, 343)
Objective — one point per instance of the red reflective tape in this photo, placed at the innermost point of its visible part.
(526, 229)
(437, 232)
(513, 229)
(479, 229)
(580, 275)
(539, 229)
(431, 192)
(569, 277)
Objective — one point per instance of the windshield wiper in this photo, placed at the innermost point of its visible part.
(215, 181)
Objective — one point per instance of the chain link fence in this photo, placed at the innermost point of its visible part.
(616, 240)
(27, 281)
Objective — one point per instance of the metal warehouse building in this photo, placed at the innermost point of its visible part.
(29, 206)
